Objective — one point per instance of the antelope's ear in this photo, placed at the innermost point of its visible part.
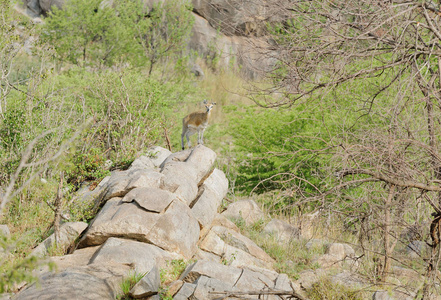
(205, 101)
(214, 103)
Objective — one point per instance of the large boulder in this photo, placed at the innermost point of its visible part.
(176, 230)
(46, 5)
(235, 249)
(282, 231)
(185, 170)
(233, 17)
(119, 219)
(246, 210)
(85, 282)
(142, 256)
(242, 52)
(69, 232)
(214, 189)
(157, 155)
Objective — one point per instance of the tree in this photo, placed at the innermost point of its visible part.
(85, 33)
(381, 60)
(162, 32)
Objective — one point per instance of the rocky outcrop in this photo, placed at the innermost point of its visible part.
(149, 219)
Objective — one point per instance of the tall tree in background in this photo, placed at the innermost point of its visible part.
(382, 59)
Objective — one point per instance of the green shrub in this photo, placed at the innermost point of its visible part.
(326, 289)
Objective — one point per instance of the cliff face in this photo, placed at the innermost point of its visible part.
(232, 30)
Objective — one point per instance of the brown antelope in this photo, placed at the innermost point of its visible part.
(196, 122)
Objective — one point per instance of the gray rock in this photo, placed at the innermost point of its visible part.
(173, 288)
(121, 182)
(119, 219)
(226, 274)
(252, 281)
(214, 189)
(202, 158)
(80, 257)
(206, 286)
(221, 220)
(315, 244)
(239, 241)
(391, 295)
(148, 285)
(180, 156)
(4, 230)
(176, 230)
(141, 256)
(157, 155)
(283, 283)
(33, 8)
(69, 232)
(89, 282)
(151, 199)
(239, 52)
(416, 249)
(282, 231)
(248, 210)
(180, 179)
(46, 5)
(336, 254)
(185, 292)
(234, 17)
(142, 162)
(197, 71)
(201, 254)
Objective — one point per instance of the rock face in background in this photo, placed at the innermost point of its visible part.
(229, 30)
(46, 5)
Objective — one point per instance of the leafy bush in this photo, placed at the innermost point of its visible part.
(89, 33)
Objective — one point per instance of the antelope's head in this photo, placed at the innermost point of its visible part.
(209, 107)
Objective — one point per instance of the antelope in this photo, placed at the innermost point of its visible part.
(196, 122)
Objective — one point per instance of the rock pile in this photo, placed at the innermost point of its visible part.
(163, 208)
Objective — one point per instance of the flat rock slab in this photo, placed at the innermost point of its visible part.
(119, 219)
(151, 199)
(89, 282)
(142, 256)
(121, 182)
(80, 257)
(226, 274)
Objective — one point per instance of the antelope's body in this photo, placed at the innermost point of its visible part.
(195, 122)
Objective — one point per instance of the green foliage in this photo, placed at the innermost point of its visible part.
(170, 273)
(15, 271)
(127, 284)
(89, 33)
(326, 289)
(161, 33)
(290, 258)
(85, 33)
(275, 145)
